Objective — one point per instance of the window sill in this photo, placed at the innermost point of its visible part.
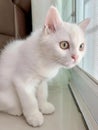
(85, 90)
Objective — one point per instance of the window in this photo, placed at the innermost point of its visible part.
(85, 9)
(85, 90)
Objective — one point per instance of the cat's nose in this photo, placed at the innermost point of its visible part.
(75, 57)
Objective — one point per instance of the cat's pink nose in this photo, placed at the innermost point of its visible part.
(75, 57)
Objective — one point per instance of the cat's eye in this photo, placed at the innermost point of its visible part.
(81, 48)
(64, 45)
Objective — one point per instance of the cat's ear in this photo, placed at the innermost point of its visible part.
(53, 20)
(83, 25)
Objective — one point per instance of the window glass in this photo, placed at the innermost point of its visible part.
(89, 9)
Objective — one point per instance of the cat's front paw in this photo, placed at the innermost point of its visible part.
(47, 108)
(35, 119)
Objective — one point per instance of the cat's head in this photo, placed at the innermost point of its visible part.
(64, 43)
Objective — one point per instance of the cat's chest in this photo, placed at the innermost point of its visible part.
(49, 73)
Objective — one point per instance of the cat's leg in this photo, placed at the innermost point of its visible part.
(9, 102)
(42, 94)
(29, 103)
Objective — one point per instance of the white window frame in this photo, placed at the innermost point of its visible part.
(85, 91)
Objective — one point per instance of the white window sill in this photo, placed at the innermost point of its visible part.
(85, 90)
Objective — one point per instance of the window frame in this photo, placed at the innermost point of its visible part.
(85, 90)
(88, 63)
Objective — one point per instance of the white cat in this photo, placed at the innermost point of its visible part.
(26, 66)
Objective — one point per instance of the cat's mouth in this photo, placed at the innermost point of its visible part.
(70, 64)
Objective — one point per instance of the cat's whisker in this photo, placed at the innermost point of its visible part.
(57, 60)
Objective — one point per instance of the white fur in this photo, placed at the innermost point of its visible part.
(26, 66)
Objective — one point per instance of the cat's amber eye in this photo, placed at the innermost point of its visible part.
(81, 48)
(64, 45)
